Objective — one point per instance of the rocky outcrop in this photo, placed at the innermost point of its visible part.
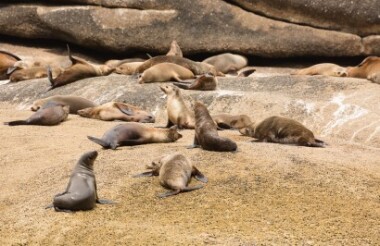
(198, 26)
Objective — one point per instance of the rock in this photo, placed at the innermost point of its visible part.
(198, 26)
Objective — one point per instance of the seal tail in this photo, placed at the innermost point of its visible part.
(99, 141)
(181, 85)
(247, 72)
(16, 123)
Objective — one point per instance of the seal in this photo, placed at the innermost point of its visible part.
(206, 134)
(133, 133)
(31, 73)
(128, 68)
(116, 63)
(51, 114)
(174, 172)
(198, 68)
(117, 111)
(227, 62)
(80, 69)
(81, 192)
(282, 130)
(7, 60)
(174, 50)
(206, 82)
(164, 72)
(178, 113)
(366, 68)
(74, 102)
(228, 121)
(327, 69)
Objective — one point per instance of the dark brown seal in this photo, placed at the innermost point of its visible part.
(132, 133)
(206, 134)
(228, 121)
(206, 82)
(117, 111)
(282, 130)
(174, 172)
(81, 192)
(74, 102)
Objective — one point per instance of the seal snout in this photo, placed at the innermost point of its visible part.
(92, 154)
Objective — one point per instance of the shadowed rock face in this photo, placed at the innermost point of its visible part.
(199, 26)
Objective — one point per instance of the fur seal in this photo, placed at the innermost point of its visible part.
(175, 50)
(74, 102)
(174, 172)
(366, 68)
(50, 115)
(206, 134)
(81, 192)
(128, 68)
(31, 73)
(116, 63)
(227, 62)
(328, 69)
(117, 111)
(206, 82)
(178, 113)
(198, 68)
(80, 69)
(228, 121)
(164, 72)
(133, 133)
(7, 60)
(282, 130)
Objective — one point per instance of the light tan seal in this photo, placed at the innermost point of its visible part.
(7, 60)
(164, 72)
(228, 121)
(366, 68)
(133, 133)
(81, 192)
(128, 68)
(178, 113)
(227, 62)
(50, 115)
(74, 102)
(206, 82)
(31, 73)
(174, 172)
(174, 50)
(327, 69)
(206, 134)
(282, 130)
(117, 111)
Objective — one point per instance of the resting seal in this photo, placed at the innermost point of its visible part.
(164, 72)
(206, 82)
(328, 69)
(74, 102)
(227, 62)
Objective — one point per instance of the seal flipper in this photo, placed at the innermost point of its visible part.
(101, 142)
(17, 123)
(169, 193)
(317, 143)
(105, 201)
(123, 109)
(199, 176)
(49, 206)
(182, 86)
(63, 210)
(169, 124)
(223, 126)
(195, 144)
(144, 174)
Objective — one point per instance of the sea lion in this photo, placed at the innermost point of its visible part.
(128, 68)
(164, 72)
(175, 50)
(178, 113)
(228, 121)
(133, 133)
(227, 62)
(174, 172)
(366, 68)
(117, 111)
(31, 73)
(7, 60)
(375, 77)
(282, 130)
(74, 102)
(81, 192)
(327, 69)
(80, 69)
(206, 82)
(50, 115)
(198, 68)
(206, 134)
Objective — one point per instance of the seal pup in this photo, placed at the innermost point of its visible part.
(206, 82)
(282, 130)
(327, 69)
(128, 68)
(198, 68)
(74, 102)
(178, 113)
(227, 62)
(228, 121)
(117, 111)
(81, 192)
(206, 134)
(164, 72)
(7, 60)
(51, 114)
(366, 68)
(133, 133)
(80, 69)
(174, 50)
(174, 172)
